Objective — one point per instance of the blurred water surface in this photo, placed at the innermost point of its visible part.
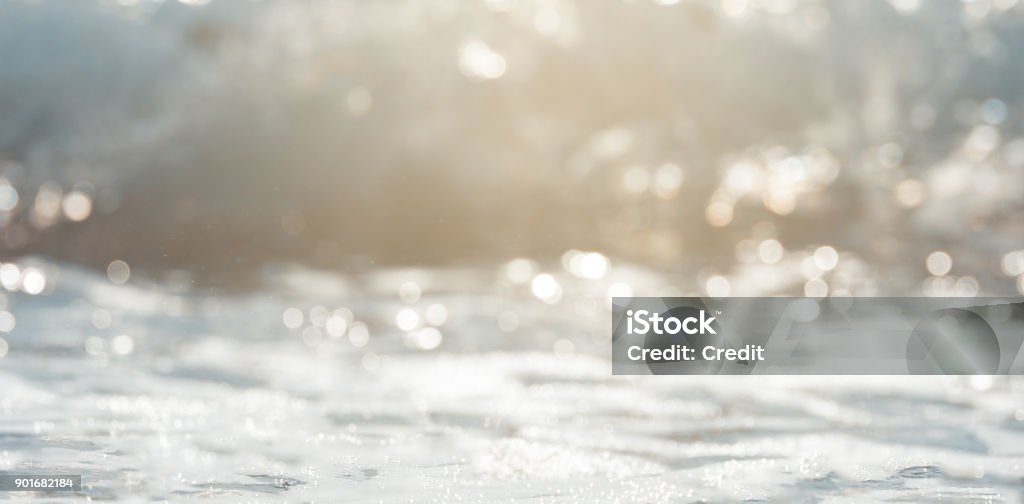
(434, 385)
(216, 137)
(363, 251)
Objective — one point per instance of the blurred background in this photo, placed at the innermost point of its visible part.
(252, 248)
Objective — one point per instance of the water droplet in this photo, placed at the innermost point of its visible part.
(939, 263)
(118, 271)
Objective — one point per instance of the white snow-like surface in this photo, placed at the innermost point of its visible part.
(218, 399)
